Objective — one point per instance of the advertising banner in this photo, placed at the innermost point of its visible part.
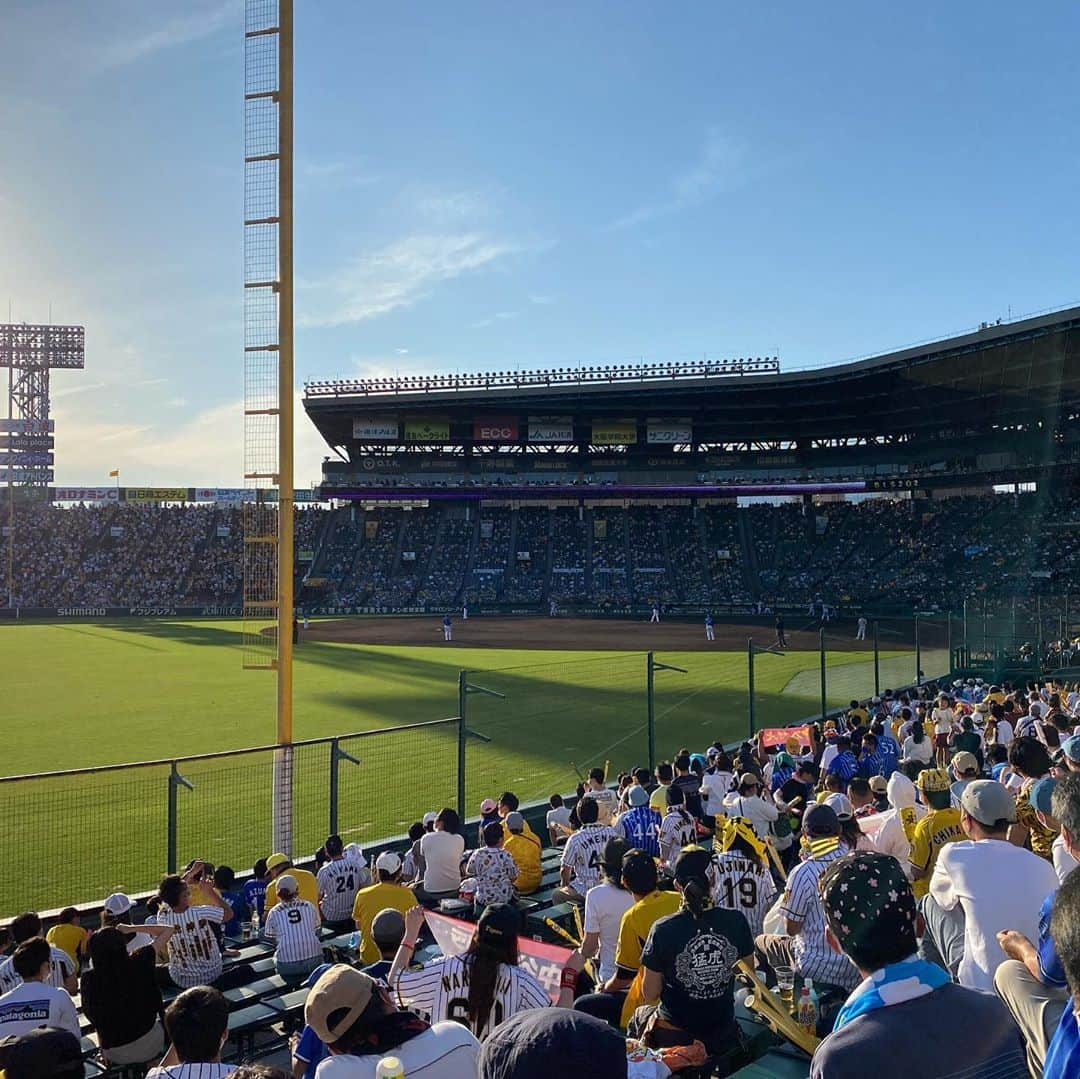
(777, 736)
(495, 429)
(23, 475)
(427, 430)
(375, 428)
(551, 429)
(614, 432)
(223, 494)
(669, 432)
(26, 442)
(156, 494)
(86, 494)
(544, 962)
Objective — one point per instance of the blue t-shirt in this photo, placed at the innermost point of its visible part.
(1050, 969)
(311, 1050)
(844, 765)
(255, 894)
(890, 754)
(997, 770)
(1063, 1053)
(871, 764)
(240, 909)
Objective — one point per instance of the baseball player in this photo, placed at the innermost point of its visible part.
(307, 621)
(781, 638)
(860, 634)
(447, 628)
(655, 613)
(552, 609)
(709, 634)
(464, 612)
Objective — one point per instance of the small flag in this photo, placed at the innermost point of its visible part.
(115, 472)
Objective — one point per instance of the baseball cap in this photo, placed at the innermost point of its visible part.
(515, 821)
(712, 752)
(287, 883)
(933, 779)
(879, 784)
(388, 862)
(965, 762)
(1071, 748)
(988, 802)
(487, 806)
(498, 922)
(117, 904)
(841, 805)
(429, 818)
(277, 859)
(42, 1053)
(388, 927)
(637, 796)
(1036, 708)
(1042, 790)
(340, 990)
(821, 820)
(316, 974)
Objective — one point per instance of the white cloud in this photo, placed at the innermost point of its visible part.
(499, 316)
(719, 167)
(203, 22)
(398, 275)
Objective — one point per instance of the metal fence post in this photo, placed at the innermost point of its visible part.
(651, 712)
(176, 781)
(965, 626)
(948, 642)
(462, 694)
(877, 663)
(337, 755)
(918, 653)
(824, 694)
(750, 682)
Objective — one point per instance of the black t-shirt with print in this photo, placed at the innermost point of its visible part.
(697, 958)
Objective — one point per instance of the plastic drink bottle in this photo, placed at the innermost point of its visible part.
(808, 1011)
(389, 1068)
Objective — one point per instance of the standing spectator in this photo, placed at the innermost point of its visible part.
(639, 824)
(63, 972)
(120, 996)
(1030, 761)
(941, 825)
(750, 803)
(743, 880)
(68, 935)
(967, 905)
(387, 893)
(844, 765)
(526, 851)
(293, 925)
(197, 1023)
(872, 919)
(338, 882)
(689, 783)
(442, 850)
(494, 870)
(943, 718)
(604, 907)
(582, 854)
(279, 863)
(34, 1002)
(677, 829)
(804, 946)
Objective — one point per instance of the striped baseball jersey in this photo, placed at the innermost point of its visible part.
(192, 1071)
(638, 827)
(743, 885)
(676, 831)
(194, 954)
(294, 927)
(440, 990)
(339, 881)
(61, 966)
(583, 853)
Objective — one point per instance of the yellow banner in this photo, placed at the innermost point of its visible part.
(157, 494)
(614, 432)
(427, 430)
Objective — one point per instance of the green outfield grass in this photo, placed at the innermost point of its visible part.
(86, 695)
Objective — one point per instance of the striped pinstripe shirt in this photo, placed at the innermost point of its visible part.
(294, 927)
(339, 881)
(61, 966)
(192, 1071)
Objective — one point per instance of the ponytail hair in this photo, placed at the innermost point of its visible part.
(696, 896)
(692, 878)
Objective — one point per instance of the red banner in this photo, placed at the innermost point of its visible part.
(544, 961)
(496, 429)
(777, 736)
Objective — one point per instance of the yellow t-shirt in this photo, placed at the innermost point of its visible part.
(636, 923)
(658, 800)
(72, 938)
(525, 850)
(306, 884)
(933, 832)
(369, 901)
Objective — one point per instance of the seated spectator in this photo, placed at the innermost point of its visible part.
(616, 999)
(358, 1022)
(68, 935)
(225, 882)
(843, 764)
(879, 788)
(197, 1023)
(871, 759)
(906, 1016)
(441, 850)
(917, 750)
(605, 904)
(741, 869)
(116, 911)
(605, 798)
(966, 768)
(338, 881)
(969, 741)
(582, 855)
(861, 796)
(803, 946)
(558, 820)
(1030, 761)
(120, 995)
(664, 775)
(480, 988)
(279, 863)
(1063, 1052)
(967, 905)
(851, 835)
(63, 971)
(493, 869)
(254, 890)
(750, 802)
(388, 931)
(510, 803)
(525, 849)
(1041, 797)
(1032, 981)
(640, 823)
(941, 825)
(293, 925)
(387, 893)
(677, 829)
(42, 1053)
(34, 1002)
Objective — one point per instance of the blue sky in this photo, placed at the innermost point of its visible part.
(483, 185)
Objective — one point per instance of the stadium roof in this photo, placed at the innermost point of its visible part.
(1016, 373)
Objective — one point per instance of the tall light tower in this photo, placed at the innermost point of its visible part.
(268, 370)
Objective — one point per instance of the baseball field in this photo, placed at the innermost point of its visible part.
(571, 694)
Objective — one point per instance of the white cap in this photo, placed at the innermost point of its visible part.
(353, 851)
(287, 883)
(841, 805)
(429, 818)
(117, 904)
(388, 862)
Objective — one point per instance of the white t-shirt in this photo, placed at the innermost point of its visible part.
(194, 955)
(606, 802)
(943, 720)
(439, 991)
(34, 1004)
(446, 1051)
(891, 838)
(758, 811)
(294, 926)
(1064, 862)
(918, 751)
(442, 853)
(61, 966)
(999, 886)
(583, 854)
(558, 816)
(1004, 732)
(193, 1071)
(713, 789)
(604, 907)
(828, 755)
